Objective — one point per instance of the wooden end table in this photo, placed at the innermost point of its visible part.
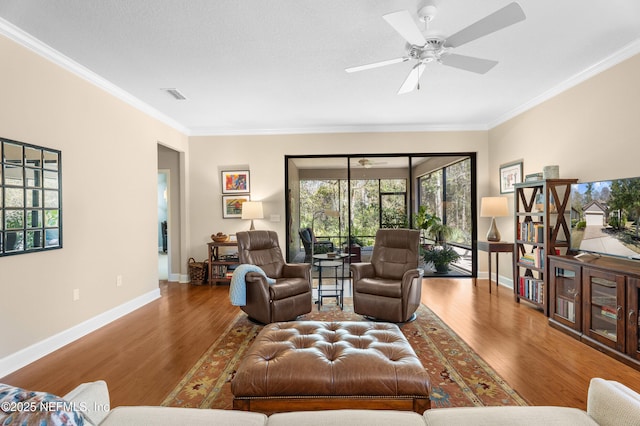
(496, 247)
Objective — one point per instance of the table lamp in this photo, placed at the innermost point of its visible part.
(252, 210)
(494, 207)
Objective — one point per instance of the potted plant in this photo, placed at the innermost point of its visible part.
(432, 226)
(441, 257)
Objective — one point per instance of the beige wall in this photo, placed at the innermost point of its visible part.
(109, 183)
(264, 156)
(591, 131)
(109, 158)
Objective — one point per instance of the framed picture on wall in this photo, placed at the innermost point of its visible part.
(510, 174)
(232, 206)
(235, 181)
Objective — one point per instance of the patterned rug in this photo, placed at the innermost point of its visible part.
(459, 377)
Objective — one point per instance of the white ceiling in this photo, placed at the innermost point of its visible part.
(277, 66)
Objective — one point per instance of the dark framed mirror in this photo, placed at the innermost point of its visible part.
(30, 198)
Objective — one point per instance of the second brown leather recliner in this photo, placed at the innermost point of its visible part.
(290, 296)
(389, 287)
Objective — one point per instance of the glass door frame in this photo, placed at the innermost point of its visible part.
(412, 190)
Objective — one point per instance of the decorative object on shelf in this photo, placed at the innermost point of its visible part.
(533, 177)
(441, 257)
(235, 181)
(321, 214)
(220, 237)
(232, 205)
(494, 207)
(252, 210)
(510, 174)
(551, 172)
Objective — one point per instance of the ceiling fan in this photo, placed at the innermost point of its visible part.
(433, 46)
(367, 164)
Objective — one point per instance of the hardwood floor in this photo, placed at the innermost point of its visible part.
(143, 355)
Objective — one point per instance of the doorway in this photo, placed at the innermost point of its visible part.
(163, 218)
(169, 222)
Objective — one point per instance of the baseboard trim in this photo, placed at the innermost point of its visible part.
(502, 280)
(26, 356)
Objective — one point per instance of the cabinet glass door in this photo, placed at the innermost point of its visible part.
(633, 304)
(567, 293)
(605, 304)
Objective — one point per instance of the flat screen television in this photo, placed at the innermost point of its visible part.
(605, 217)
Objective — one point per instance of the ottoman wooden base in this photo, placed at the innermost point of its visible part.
(310, 365)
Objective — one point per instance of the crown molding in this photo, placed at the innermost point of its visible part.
(371, 128)
(28, 41)
(621, 55)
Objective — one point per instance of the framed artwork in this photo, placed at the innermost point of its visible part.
(510, 174)
(232, 206)
(235, 181)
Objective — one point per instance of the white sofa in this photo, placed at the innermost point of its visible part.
(609, 403)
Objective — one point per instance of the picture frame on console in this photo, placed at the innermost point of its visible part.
(232, 205)
(510, 174)
(235, 181)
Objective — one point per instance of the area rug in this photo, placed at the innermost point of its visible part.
(459, 377)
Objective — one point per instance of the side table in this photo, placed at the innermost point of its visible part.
(218, 266)
(336, 262)
(496, 247)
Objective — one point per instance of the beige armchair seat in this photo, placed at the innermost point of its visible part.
(389, 287)
(290, 296)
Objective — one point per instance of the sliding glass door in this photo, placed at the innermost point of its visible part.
(346, 199)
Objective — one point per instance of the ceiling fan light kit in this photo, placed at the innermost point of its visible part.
(431, 46)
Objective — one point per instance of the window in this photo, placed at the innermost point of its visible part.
(447, 194)
(30, 198)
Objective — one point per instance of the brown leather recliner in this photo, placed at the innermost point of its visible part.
(389, 287)
(290, 296)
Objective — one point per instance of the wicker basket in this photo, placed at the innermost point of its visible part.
(197, 271)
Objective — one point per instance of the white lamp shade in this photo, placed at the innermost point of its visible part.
(494, 207)
(252, 210)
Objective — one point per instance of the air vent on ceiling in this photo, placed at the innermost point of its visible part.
(175, 93)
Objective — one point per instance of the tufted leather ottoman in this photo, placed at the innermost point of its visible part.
(311, 365)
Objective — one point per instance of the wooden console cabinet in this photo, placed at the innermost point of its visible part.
(596, 300)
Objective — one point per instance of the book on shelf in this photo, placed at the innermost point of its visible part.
(535, 258)
(532, 232)
(531, 288)
(566, 309)
(609, 312)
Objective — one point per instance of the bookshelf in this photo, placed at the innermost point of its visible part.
(221, 266)
(542, 227)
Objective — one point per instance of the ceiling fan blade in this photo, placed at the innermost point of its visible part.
(468, 63)
(404, 24)
(412, 79)
(376, 64)
(508, 15)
